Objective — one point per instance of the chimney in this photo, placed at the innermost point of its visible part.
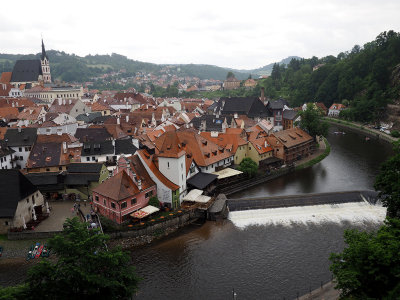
(127, 118)
(59, 101)
(235, 116)
(118, 121)
(262, 98)
(19, 129)
(64, 147)
(135, 143)
(265, 144)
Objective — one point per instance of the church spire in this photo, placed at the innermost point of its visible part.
(44, 55)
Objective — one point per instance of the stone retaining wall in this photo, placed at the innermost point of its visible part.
(31, 235)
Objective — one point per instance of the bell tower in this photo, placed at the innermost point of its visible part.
(44, 59)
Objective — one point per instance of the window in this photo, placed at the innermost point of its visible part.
(168, 165)
(104, 201)
(20, 149)
(133, 201)
(93, 158)
(112, 205)
(87, 158)
(96, 198)
(47, 169)
(123, 205)
(27, 149)
(60, 168)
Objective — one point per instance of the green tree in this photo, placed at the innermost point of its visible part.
(311, 121)
(230, 75)
(248, 166)
(83, 269)
(388, 183)
(369, 268)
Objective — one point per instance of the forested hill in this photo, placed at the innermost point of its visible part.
(72, 68)
(365, 79)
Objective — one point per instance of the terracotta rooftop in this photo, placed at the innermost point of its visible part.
(118, 187)
(292, 137)
(149, 160)
(5, 77)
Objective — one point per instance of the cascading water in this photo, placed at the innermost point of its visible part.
(357, 213)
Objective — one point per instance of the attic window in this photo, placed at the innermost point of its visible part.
(204, 142)
(215, 152)
(168, 147)
(48, 158)
(292, 136)
(300, 135)
(207, 154)
(96, 146)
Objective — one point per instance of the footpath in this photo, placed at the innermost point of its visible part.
(326, 292)
(363, 129)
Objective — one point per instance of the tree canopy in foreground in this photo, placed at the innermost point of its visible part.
(388, 183)
(369, 268)
(83, 269)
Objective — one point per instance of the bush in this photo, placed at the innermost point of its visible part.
(154, 202)
(248, 166)
(395, 134)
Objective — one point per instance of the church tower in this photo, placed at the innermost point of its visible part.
(44, 59)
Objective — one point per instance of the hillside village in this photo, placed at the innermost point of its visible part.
(117, 150)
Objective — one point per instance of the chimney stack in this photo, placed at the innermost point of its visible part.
(118, 121)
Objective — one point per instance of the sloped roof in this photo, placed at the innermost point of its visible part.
(201, 180)
(26, 70)
(249, 106)
(97, 148)
(44, 155)
(148, 159)
(93, 134)
(20, 137)
(289, 114)
(138, 168)
(278, 104)
(9, 113)
(5, 77)
(118, 187)
(124, 147)
(14, 186)
(259, 145)
(84, 167)
(292, 137)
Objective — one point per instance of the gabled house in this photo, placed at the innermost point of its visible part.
(289, 118)
(125, 192)
(335, 109)
(31, 115)
(21, 141)
(167, 191)
(252, 107)
(72, 107)
(20, 200)
(277, 107)
(6, 156)
(57, 123)
(291, 145)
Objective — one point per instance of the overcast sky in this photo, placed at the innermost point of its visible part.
(237, 34)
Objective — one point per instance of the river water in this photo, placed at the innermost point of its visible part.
(269, 254)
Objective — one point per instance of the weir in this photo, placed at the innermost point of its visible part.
(303, 200)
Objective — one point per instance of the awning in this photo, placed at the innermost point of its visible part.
(196, 196)
(228, 172)
(201, 180)
(192, 195)
(144, 212)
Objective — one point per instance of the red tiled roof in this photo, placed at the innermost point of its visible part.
(5, 77)
(148, 159)
(292, 137)
(9, 113)
(259, 145)
(118, 187)
(226, 140)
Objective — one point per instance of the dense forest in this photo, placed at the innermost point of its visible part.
(365, 79)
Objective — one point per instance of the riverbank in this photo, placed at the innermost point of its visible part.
(325, 292)
(357, 127)
(323, 151)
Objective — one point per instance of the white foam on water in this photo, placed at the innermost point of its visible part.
(354, 212)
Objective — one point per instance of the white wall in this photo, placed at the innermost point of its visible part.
(25, 207)
(175, 170)
(5, 162)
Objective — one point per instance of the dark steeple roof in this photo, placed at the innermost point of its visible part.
(26, 70)
(14, 186)
(44, 55)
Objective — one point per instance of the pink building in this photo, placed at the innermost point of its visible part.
(127, 191)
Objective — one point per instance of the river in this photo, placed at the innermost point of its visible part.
(268, 254)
